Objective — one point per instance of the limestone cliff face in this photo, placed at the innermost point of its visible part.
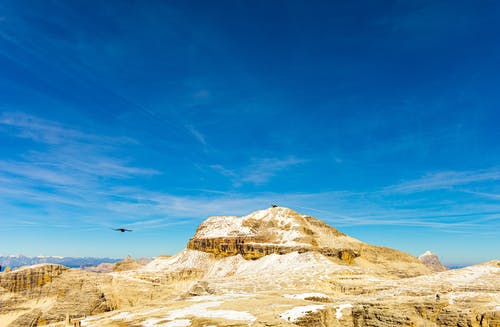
(49, 293)
(28, 278)
(251, 248)
(281, 230)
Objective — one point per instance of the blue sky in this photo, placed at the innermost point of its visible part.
(381, 118)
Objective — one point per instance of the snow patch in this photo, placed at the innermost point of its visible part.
(123, 316)
(227, 296)
(186, 259)
(296, 313)
(178, 323)
(154, 322)
(151, 322)
(201, 310)
(338, 312)
(223, 226)
(286, 228)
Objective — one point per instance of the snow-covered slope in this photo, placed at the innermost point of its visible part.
(276, 225)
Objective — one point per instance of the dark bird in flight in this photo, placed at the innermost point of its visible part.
(123, 230)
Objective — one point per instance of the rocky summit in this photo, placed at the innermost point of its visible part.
(432, 261)
(280, 230)
(273, 267)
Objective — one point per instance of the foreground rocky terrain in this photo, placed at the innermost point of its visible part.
(274, 267)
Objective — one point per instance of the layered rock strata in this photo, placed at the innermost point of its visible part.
(28, 278)
(251, 248)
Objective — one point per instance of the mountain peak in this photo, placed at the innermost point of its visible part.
(275, 211)
(432, 261)
(275, 225)
(280, 230)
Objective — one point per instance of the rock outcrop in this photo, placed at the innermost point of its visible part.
(48, 293)
(28, 278)
(252, 248)
(432, 261)
(127, 264)
(279, 230)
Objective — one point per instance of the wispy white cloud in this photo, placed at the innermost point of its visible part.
(445, 180)
(70, 156)
(484, 194)
(34, 172)
(66, 180)
(69, 175)
(145, 209)
(197, 134)
(224, 171)
(340, 209)
(50, 132)
(259, 171)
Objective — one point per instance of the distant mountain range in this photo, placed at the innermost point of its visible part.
(15, 261)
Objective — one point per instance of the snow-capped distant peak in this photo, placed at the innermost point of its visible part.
(427, 253)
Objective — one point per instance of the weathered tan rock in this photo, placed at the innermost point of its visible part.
(250, 248)
(48, 293)
(28, 278)
(30, 319)
(127, 264)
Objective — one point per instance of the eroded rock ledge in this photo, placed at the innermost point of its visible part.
(254, 248)
(30, 277)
